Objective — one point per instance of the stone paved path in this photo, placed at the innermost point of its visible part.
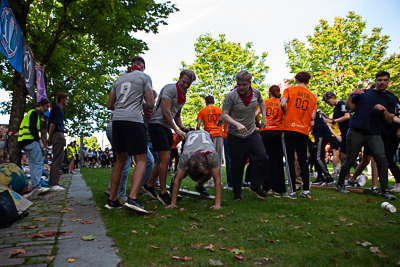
(63, 231)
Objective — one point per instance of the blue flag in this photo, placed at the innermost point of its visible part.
(11, 38)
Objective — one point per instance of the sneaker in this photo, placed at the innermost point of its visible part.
(336, 173)
(341, 188)
(362, 179)
(258, 192)
(290, 195)
(305, 194)
(164, 198)
(210, 183)
(386, 194)
(113, 204)
(107, 191)
(122, 199)
(42, 190)
(246, 184)
(319, 181)
(149, 191)
(237, 198)
(201, 190)
(227, 187)
(375, 190)
(353, 183)
(396, 188)
(277, 195)
(329, 182)
(270, 192)
(56, 188)
(135, 205)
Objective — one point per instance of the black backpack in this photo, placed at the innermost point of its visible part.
(8, 211)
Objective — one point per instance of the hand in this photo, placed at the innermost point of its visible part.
(339, 138)
(379, 107)
(327, 120)
(216, 207)
(172, 206)
(242, 130)
(180, 134)
(219, 123)
(263, 123)
(357, 91)
(188, 129)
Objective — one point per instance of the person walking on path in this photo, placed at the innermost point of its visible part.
(57, 140)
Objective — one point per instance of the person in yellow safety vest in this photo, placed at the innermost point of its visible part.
(29, 140)
(70, 154)
(76, 154)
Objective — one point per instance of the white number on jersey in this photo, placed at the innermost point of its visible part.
(125, 89)
(193, 137)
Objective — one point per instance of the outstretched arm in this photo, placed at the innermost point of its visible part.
(387, 117)
(180, 174)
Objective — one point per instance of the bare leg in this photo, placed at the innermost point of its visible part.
(160, 169)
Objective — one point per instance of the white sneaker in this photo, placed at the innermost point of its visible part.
(210, 183)
(227, 187)
(396, 188)
(56, 188)
(362, 179)
(42, 190)
(270, 192)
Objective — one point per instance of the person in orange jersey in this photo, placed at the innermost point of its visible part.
(174, 151)
(210, 115)
(299, 106)
(272, 139)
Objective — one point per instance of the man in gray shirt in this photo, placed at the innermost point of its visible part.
(200, 161)
(128, 130)
(244, 141)
(167, 111)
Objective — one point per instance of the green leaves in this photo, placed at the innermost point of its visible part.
(216, 64)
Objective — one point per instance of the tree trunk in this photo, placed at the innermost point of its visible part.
(17, 114)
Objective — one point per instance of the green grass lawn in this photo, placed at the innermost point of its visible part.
(323, 231)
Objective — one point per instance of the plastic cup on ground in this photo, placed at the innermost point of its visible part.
(388, 206)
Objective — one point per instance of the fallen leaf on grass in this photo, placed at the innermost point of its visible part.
(87, 222)
(270, 240)
(210, 247)
(350, 224)
(72, 259)
(337, 224)
(219, 216)
(17, 251)
(366, 244)
(65, 233)
(333, 259)
(391, 221)
(154, 247)
(297, 227)
(211, 235)
(266, 259)
(43, 220)
(146, 218)
(215, 262)
(50, 257)
(342, 219)
(239, 257)
(222, 229)
(237, 251)
(368, 200)
(222, 248)
(348, 255)
(181, 259)
(308, 222)
(134, 231)
(75, 220)
(282, 216)
(88, 237)
(182, 209)
(155, 207)
(183, 228)
(288, 222)
(196, 246)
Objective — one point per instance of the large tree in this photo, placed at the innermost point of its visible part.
(342, 56)
(216, 64)
(83, 45)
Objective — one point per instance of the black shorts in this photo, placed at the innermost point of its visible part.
(334, 142)
(161, 137)
(128, 136)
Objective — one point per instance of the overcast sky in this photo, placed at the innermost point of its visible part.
(267, 24)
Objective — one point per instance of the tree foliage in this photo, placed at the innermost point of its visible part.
(341, 57)
(216, 64)
(84, 45)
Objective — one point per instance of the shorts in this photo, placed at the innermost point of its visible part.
(161, 137)
(334, 142)
(129, 137)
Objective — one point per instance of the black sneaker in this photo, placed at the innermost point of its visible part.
(135, 205)
(149, 191)
(113, 204)
(353, 183)
(258, 192)
(386, 194)
(164, 198)
(201, 190)
(318, 181)
(375, 190)
(237, 198)
(341, 188)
